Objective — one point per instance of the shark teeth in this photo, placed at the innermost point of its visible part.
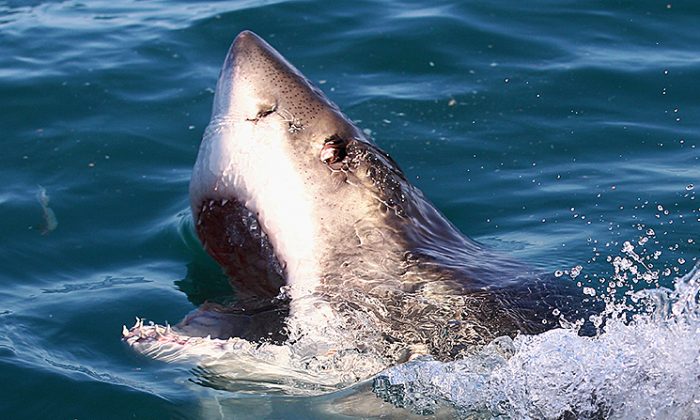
(165, 343)
(138, 332)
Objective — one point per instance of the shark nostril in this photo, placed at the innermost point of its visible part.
(333, 150)
(263, 113)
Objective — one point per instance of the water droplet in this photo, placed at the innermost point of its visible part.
(689, 187)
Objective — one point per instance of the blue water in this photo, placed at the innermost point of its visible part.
(552, 131)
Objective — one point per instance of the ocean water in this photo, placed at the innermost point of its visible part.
(562, 133)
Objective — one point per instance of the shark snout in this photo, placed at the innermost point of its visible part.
(247, 40)
(246, 46)
(255, 79)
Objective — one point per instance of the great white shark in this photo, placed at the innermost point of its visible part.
(324, 239)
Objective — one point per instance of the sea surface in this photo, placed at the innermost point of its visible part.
(563, 133)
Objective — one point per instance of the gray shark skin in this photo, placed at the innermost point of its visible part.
(312, 222)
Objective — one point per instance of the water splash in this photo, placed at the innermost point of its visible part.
(642, 366)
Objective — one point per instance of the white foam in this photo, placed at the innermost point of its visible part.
(648, 368)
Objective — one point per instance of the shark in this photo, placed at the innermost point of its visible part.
(326, 242)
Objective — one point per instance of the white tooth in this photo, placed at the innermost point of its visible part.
(223, 202)
(125, 331)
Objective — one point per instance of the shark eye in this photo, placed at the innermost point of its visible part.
(333, 150)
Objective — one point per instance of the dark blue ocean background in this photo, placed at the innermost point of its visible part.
(553, 131)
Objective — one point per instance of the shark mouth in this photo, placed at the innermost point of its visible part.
(232, 235)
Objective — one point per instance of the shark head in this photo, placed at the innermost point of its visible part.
(309, 182)
(328, 245)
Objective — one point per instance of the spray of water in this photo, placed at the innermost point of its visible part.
(645, 364)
